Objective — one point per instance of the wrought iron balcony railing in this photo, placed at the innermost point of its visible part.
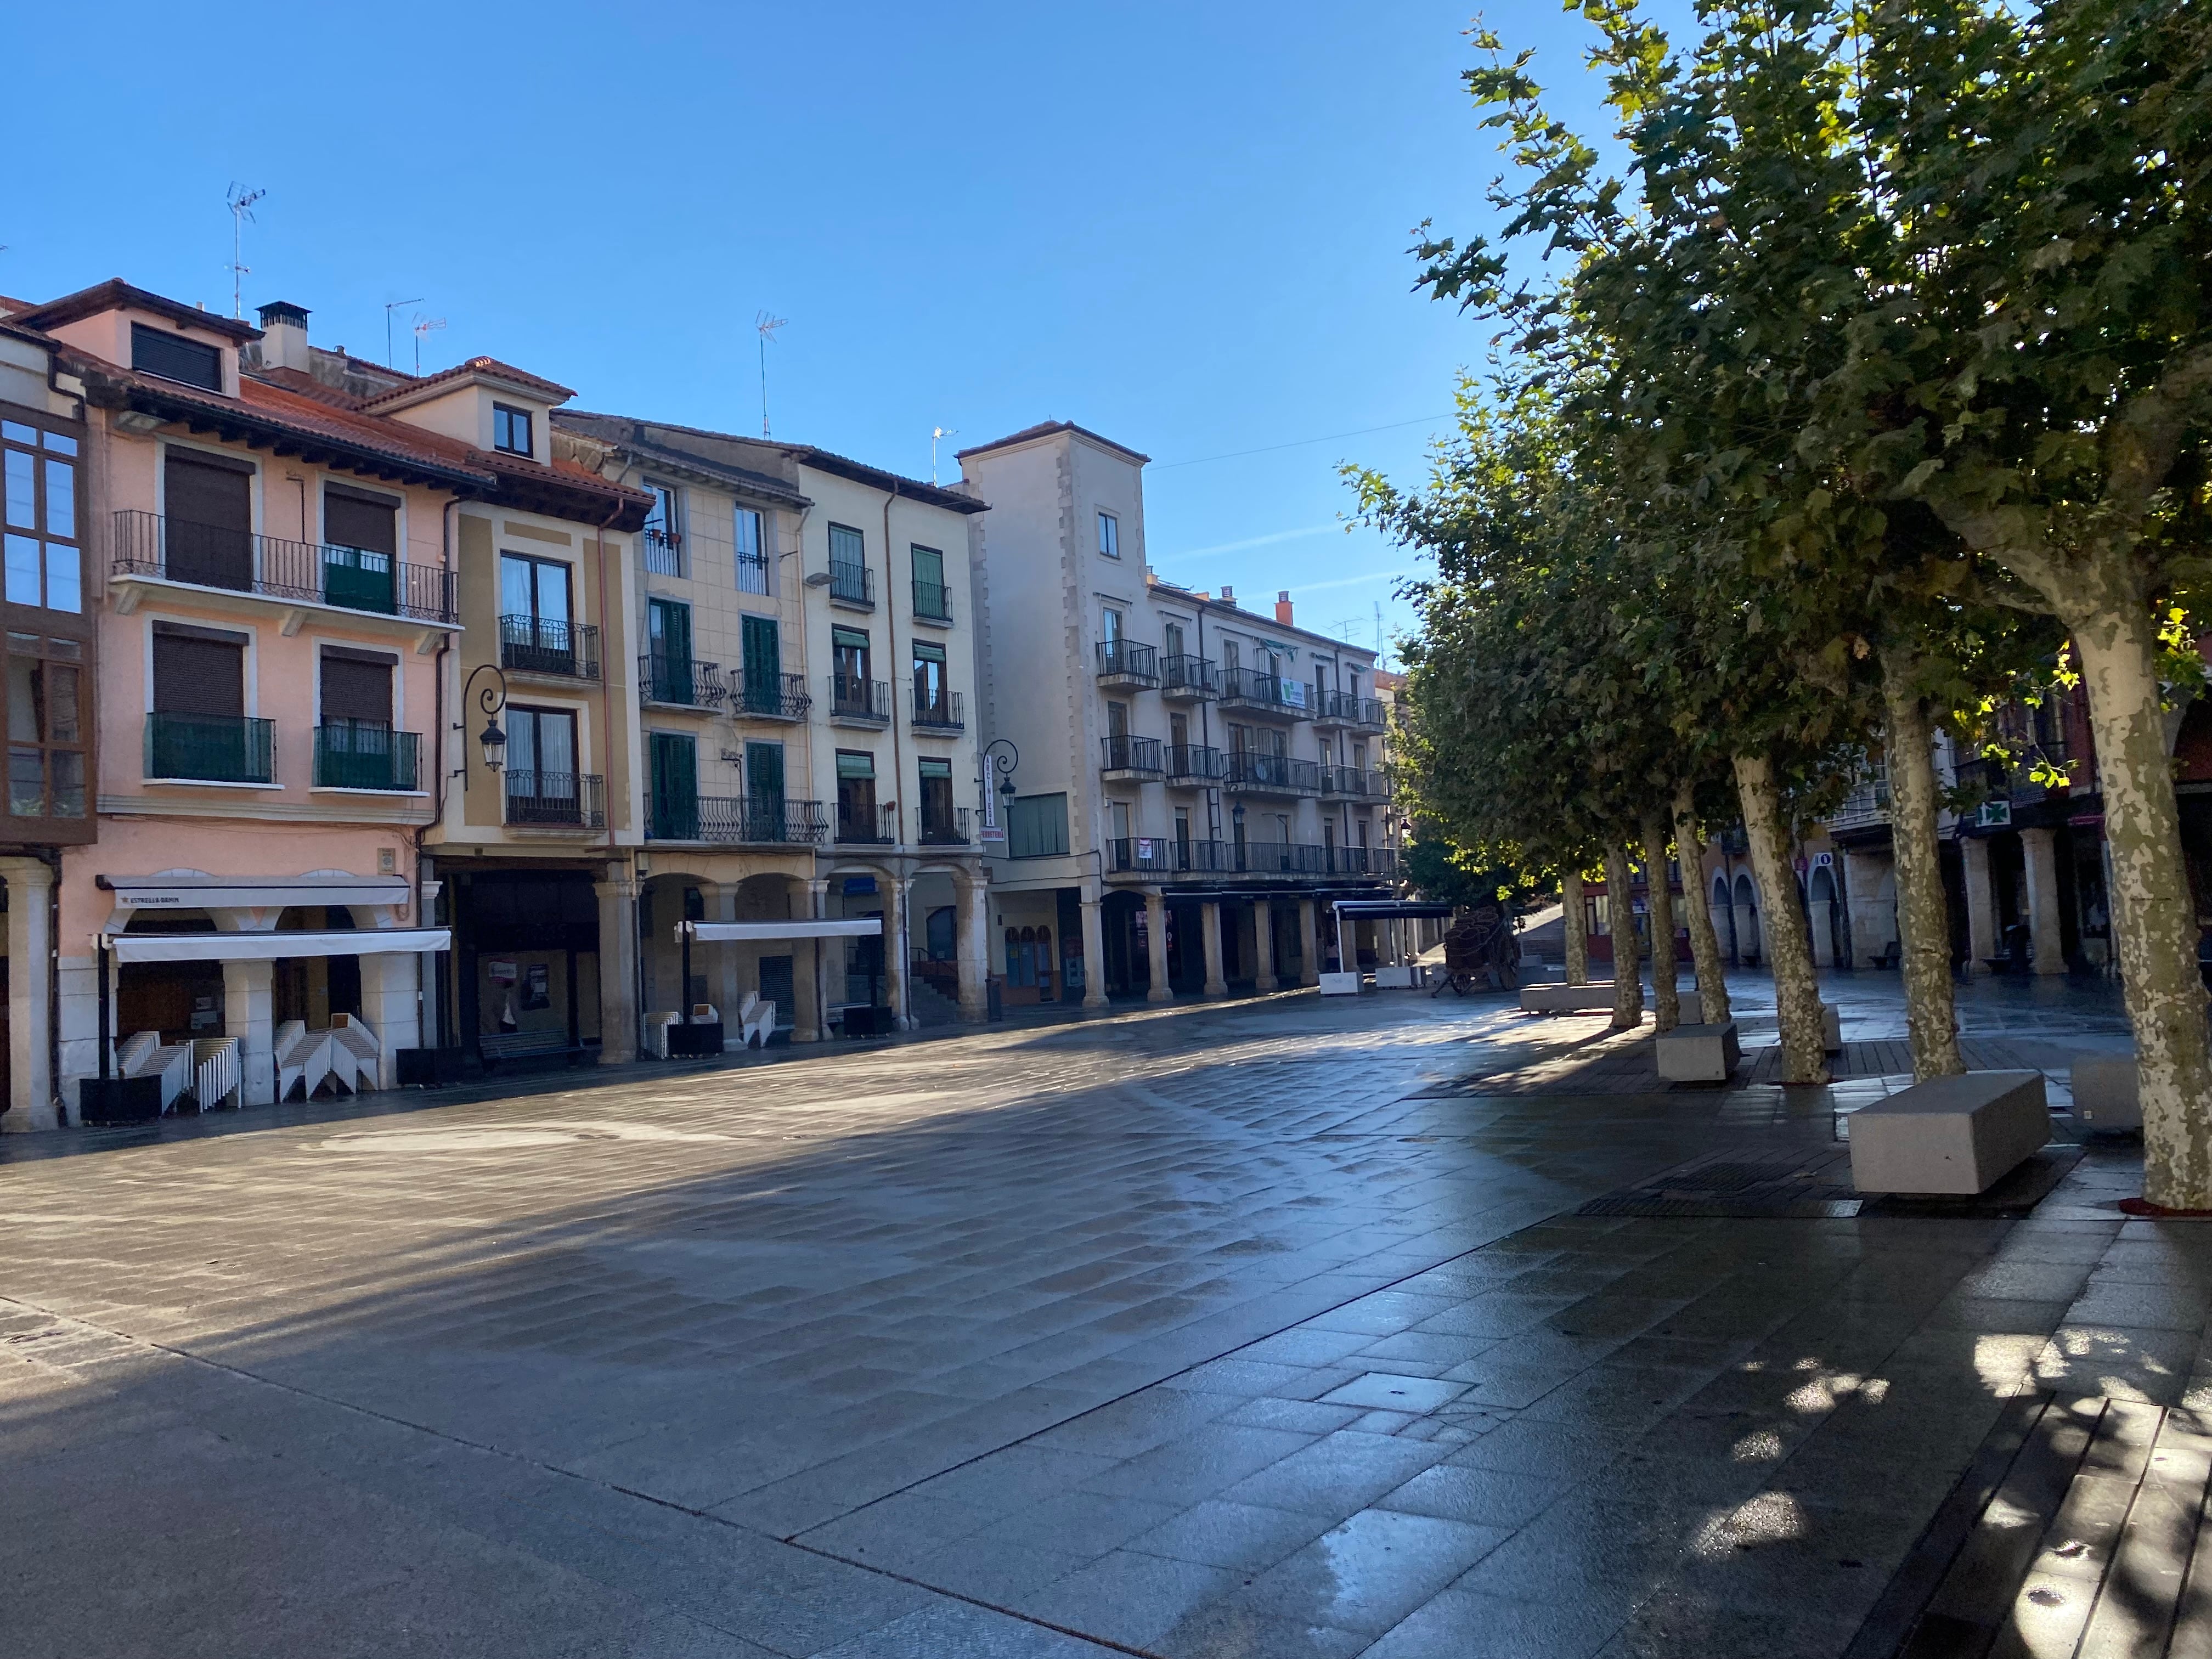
(765, 823)
(860, 700)
(771, 696)
(1124, 662)
(534, 645)
(663, 551)
(1348, 708)
(1182, 676)
(852, 584)
(1353, 782)
(932, 601)
(1272, 775)
(946, 712)
(353, 755)
(210, 749)
(680, 681)
(943, 830)
(866, 826)
(1194, 763)
(1270, 694)
(314, 573)
(1124, 753)
(574, 800)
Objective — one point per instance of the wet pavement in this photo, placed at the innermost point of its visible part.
(1259, 1328)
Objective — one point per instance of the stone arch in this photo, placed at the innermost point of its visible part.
(1745, 911)
(1823, 915)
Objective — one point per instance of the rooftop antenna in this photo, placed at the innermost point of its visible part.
(391, 307)
(765, 326)
(935, 433)
(1379, 656)
(240, 202)
(423, 326)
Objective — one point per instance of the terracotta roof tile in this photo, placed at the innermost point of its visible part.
(553, 389)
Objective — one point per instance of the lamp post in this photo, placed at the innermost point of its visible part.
(1004, 764)
(491, 740)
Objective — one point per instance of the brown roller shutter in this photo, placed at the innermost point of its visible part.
(203, 490)
(197, 675)
(356, 690)
(352, 520)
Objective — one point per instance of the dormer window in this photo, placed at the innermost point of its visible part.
(510, 430)
(174, 357)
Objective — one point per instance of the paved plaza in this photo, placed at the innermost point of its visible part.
(1261, 1329)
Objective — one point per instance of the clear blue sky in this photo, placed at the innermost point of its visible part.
(1182, 225)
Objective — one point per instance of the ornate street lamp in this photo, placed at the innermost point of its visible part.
(491, 740)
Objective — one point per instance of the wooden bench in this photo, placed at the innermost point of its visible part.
(1596, 997)
(1699, 1053)
(500, 1045)
(1958, 1135)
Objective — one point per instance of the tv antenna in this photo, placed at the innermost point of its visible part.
(1379, 654)
(765, 326)
(390, 307)
(424, 325)
(240, 202)
(935, 433)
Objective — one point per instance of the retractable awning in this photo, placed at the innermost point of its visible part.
(267, 947)
(1394, 910)
(253, 892)
(711, 932)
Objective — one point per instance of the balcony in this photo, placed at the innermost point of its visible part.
(865, 825)
(1188, 679)
(1158, 856)
(556, 800)
(1122, 662)
(732, 820)
(932, 601)
(1351, 783)
(663, 551)
(1123, 758)
(1348, 708)
(939, 830)
(532, 645)
(1193, 764)
(860, 703)
(853, 586)
(946, 712)
(148, 544)
(770, 697)
(679, 681)
(1255, 773)
(349, 754)
(210, 749)
(1361, 860)
(1267, 694)
(1865, 806)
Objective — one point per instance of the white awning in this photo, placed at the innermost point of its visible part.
(253, 892)
(710, 932)
(266, 947)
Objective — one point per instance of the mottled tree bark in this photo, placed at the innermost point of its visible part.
(1666, 1004)
(1923, 922)
(1705, 944)
(1627, 971)
(1574, 920)
(1788, 947)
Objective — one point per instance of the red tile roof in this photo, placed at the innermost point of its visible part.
(553, 390)
(115, 294)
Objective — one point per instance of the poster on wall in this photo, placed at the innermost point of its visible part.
(537, 988)
(502, 973)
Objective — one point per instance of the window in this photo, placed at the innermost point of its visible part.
(1179, 730)
(1110, 535)
(849, 566)
(1036, 826)
(357, 687)
(849, 645)
(1230, 655)
(1113, 630)
(1117, 719)
(510, 430)
(857, 819)
(1173, 635)
(662, 537)
(198, 728)
(534, 589)
(46, 727)
(939, 823)
(541, 753)
(207, 506)
(44, 559)
(361, 543)
(1120, 810)
(174, 357)
(931, 598)
(762, 681)
(932, 698)
(764, 788)
(751, 552)
(355, 747)
(673, 782)
(668, 666)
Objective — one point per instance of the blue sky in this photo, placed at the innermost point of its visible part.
(1183, 225)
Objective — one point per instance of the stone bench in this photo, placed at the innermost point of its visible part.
(1594, 998)
(1699, 1053)
(1957, 1135)
(2104, 1093)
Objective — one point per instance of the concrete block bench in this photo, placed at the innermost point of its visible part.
(1958, 1135)
(1596, 998)
(2104, 1094)
(1699, 1053)
(1831, 1030)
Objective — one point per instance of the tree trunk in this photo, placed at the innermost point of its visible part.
(1574, 920)
(1627, 967)
(2154, 915)
(1705, 944)
(1923, 922)
(1666, 1005)
(1788, 947)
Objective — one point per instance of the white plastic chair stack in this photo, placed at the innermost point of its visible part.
(144, 1053)
(756, 1019)
(303, 1057)
(215, 1073)
(356, 1053)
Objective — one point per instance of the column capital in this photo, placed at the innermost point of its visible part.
(817, 885)
(30, 872)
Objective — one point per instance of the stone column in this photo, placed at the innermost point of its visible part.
(618, 1014)
(2045, 936)
(1981, 906)
(971, 947)
(726, 993)
(896, 968)
(1263, 943)
(390, 1008)
(1094, 951)
(1210, 915)
(30, 992)
(806, 968)
(1308, 943)
(1156, 944)
(249, 1003)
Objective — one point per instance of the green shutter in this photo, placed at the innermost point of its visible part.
(675, 787)
(763, 668)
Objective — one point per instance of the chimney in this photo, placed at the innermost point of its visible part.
(1283, 608)
(1228, 594)
(284, 336)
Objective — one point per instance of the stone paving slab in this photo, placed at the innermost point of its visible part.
(1198, 1331)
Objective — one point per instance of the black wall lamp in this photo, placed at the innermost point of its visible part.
(491, 740)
